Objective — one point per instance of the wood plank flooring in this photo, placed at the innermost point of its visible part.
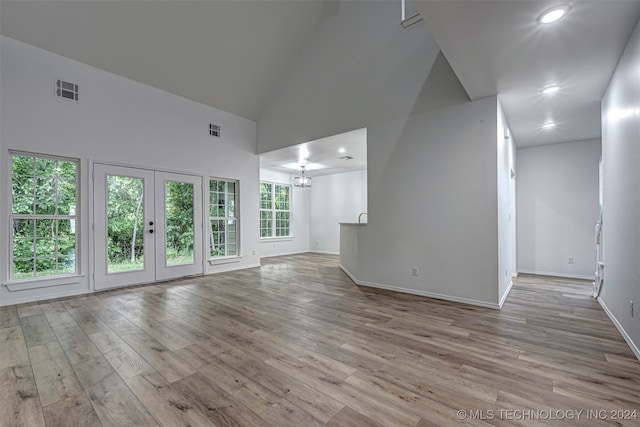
(296, 343)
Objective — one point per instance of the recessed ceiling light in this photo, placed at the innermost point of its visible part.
(553, 14)
(550, 89)
(342, 150)
(549, 125)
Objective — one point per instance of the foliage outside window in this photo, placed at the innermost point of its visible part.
(223, 217)
(125, 224)
(275, 210)
(43, 216)
(180, 229)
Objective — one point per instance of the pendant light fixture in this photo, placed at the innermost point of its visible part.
(302, 181)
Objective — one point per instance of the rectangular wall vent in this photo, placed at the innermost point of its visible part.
(67, 90)
(214, 130)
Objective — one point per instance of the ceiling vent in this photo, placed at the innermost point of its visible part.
(66, 90)
(214, 130)
(346, 158)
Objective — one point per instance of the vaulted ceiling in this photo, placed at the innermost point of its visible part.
(233, 54)
(229, 54)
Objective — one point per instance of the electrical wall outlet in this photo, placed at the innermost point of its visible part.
(570, 260)
(414, 271)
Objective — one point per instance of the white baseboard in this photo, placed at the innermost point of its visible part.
(25, 300)
(548, 273)
(45, 298)
(506, 294)
(625, 335)
(325, 252)
(284, 254)
(420, 293)
(223, 268)
(351, 276)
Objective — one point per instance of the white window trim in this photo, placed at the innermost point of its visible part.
(214, 260)
(277, 239)
(43, 282)
(273, 211)
(225, 260)
(52, 280)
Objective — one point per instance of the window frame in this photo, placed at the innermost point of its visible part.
(221, 258)
(273, 211)
(50, 279)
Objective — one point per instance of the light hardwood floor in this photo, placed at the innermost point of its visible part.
(296, 343)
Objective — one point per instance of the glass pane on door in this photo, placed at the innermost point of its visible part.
(179, 229)
(125, 223)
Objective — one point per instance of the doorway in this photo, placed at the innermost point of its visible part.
(147, 225)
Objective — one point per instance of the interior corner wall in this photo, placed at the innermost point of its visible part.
(300, 201)
(506, 205)
(432, 180)
(557, 208)
(121, 121)
(335, 198)
(621, 197)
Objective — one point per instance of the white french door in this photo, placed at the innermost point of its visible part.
(147, 225)
(178, 225)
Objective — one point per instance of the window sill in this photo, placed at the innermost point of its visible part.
(24, 284)
(224, 260)
(276, 239)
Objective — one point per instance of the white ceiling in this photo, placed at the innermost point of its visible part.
(226, 54)
(322, 155)
(498, 47)
(232, 54)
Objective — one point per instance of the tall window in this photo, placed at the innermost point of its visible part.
(275, 210)
(43, 216)
(223, 216)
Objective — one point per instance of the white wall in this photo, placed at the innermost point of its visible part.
(432, 170)
(557, 208)
(621, 178)
(432, 180)
(116, 120)
(334, 199)
(506, 206)
(300, 201)
(361, 67)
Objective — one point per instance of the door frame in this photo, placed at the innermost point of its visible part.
(162, 270)
(91, 212)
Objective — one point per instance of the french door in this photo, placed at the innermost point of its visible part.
(147, 225)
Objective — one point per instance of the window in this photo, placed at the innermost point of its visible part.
(275, 210)
(43, 216)
(223, 217)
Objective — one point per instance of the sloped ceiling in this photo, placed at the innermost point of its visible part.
(235, 54)
(499, 47)
(226, 54)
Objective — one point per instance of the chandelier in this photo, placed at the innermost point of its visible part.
(303, 180)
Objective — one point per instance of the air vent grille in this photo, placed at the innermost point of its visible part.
(67, 90)
(214, 130)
